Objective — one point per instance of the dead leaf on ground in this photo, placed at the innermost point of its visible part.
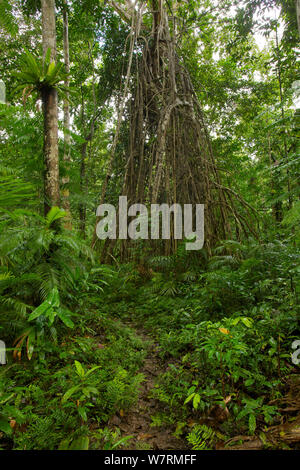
(144, 437)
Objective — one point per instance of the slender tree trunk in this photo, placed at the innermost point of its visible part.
(298, 14)
(286, 156)
(82, 207)
(85, 156)
(275, 190)
(67, 138)
(50, 109)
(277, 206)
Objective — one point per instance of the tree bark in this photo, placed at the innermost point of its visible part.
(298, 14)
(67, 138)
(82, 207)
(84, 155)
(286, 155)
(50, 109)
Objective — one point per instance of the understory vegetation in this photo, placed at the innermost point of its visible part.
(224, 328)
(166, 102)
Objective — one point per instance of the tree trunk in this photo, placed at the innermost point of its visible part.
(298, 14)
(50, 109)
(286, 155)
(67, 138)
(82, 207)
(87, 145)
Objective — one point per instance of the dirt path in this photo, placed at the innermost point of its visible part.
(137, 422)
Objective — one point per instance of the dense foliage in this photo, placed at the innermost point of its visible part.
(221, 321)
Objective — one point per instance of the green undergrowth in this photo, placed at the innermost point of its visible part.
(225, 331)
(73, 388)
(224, 326)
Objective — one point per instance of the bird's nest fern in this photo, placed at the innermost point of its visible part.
(37, 75)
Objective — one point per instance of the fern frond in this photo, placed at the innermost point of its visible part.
(15, 305)
(202, 438)
(49, 277)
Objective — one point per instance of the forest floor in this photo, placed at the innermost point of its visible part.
(137, 422)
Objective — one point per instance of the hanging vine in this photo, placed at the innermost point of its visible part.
(170, 158)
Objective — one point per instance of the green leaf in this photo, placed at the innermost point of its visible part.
(46, 308)
(196, 401)
(88, 390)
(252, 423)
(121, 441)
(30, 344)
(5, 426)
(82, 413)
(247, 322)
(51, 314)
(41, 310)
(6, 400)
(189, 398)
(79, 369)
(64, 444)
(53, 298)
(69, 393)
(82, 443)
(92, 370)
(51, 68)
(47, 60)
(65, 318)
(54, 214)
